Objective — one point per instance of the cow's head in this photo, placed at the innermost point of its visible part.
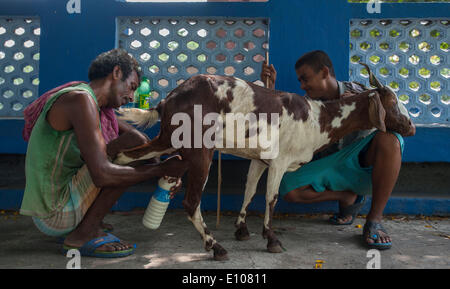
(396, 118)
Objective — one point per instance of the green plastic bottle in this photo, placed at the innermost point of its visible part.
(144, 93)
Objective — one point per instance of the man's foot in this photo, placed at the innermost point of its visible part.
(107, 228)
(375, 236)
(75, 240)
(348, 209)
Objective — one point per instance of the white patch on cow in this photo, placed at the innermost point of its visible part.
(197, 220)
(255, 172)
(274, 177)
(299, 139)
(221, 92)
(243, 100)
(345, 112)
(123, 159)
(240, 119)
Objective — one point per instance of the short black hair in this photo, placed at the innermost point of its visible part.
(104, 64)
(316, 59)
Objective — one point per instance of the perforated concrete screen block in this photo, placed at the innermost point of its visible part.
(170, 50)
(412, 57)
(19, 63)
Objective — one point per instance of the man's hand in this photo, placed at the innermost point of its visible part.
(176, 187)
(268, 73)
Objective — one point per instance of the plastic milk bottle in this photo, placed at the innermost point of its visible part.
(158, 205)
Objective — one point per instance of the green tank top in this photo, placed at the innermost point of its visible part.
(52, 159)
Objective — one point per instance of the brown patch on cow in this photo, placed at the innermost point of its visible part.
(158, 144)
(232, 85)
(199, 164)
(229, 95)
(395, 120)
(357, 120)
(266, 101)
(296, 105)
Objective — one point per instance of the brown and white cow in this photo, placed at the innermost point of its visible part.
(305, 127)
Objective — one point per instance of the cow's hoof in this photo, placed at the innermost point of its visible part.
(220, 254)
(223, 257)
(242, 234)
(275, 249)
(274, 246)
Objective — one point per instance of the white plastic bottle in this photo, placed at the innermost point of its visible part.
(158, 205)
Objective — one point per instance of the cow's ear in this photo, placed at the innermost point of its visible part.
(377, 113)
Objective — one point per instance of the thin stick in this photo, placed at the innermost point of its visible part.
(219, 184)
(267, 61)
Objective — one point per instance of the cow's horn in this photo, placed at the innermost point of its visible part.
(373, 80)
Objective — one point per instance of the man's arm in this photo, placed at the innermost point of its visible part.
(129, 137)
(83, 116)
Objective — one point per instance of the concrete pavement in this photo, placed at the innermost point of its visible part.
(417, 243)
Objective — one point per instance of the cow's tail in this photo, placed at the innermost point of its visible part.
(144, 118)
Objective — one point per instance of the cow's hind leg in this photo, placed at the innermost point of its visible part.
(255, 172)
(199, 163)
(273, 183)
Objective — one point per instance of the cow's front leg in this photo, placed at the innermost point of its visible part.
(255, 172)
(273, 183)
(199, 164)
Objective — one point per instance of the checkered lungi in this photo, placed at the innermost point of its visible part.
(83, 192)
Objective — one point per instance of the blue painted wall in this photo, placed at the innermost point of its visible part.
(70, 41)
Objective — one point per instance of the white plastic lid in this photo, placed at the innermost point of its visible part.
(164, 184)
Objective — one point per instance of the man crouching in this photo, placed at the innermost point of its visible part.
(71, 182)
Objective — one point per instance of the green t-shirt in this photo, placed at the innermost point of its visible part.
(52, 159)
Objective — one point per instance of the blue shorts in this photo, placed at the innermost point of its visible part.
(340, 171)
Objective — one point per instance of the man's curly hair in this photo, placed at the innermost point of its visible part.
(104, 64)
(316, 59)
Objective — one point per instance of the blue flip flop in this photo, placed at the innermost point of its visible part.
(352, 210)
(372, 228)
(89, 248)
(61, 239)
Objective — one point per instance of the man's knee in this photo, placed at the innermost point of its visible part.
(387, 142)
